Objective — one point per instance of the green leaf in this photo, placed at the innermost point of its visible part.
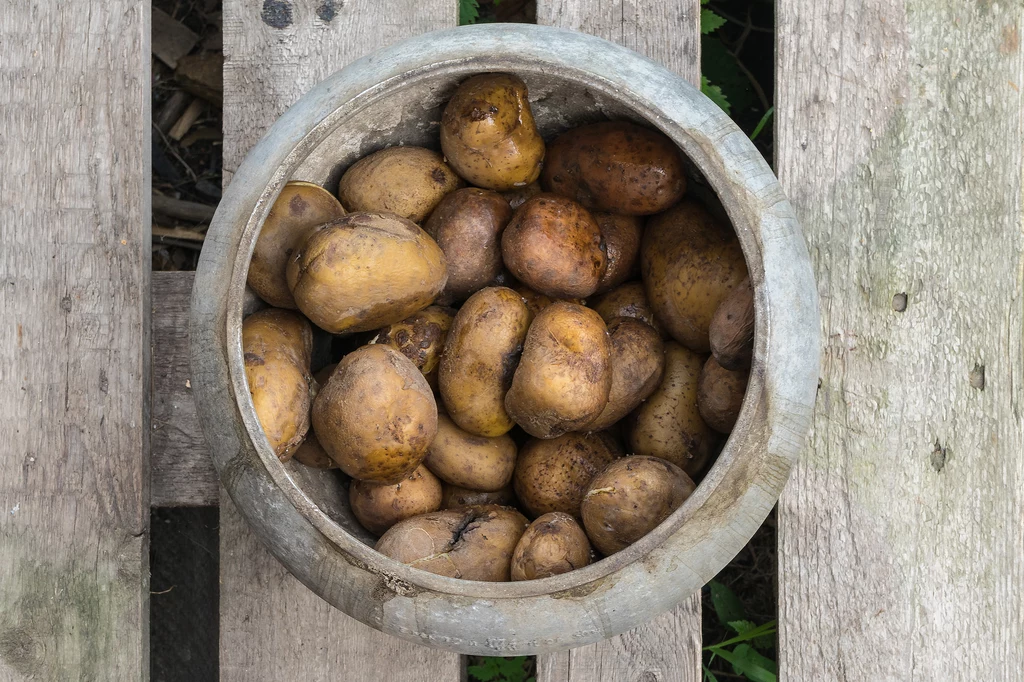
(741, 627)
(715, 94)
(469, 12)
(727, 605)
(760, 631)
(752, 665)
(709, 676)
(722, 69)
(486, 672)
(710, 22)
(762, 123)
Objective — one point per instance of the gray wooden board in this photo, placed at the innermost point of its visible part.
(74, 329)
(899, 142)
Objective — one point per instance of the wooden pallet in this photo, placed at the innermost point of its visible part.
(899, 140)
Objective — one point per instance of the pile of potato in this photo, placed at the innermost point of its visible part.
(516, 349)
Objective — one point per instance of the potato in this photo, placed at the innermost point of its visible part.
(298, 210)
(407, 181)
(420, 337)
(311, 453)
(470, 461)
(690, 263)
(628, 300)
(552, 545)
(620, 235)
(553, 246)
(376, 416)
(720, 394)
(616, 167)
(517, 196)
(630, 498)
(488, 134)
(366, 271)
(668, 425)
(638, 363)
(554, 475)
(276, 347)
(479, 359)
(467, 225)
(565, 375)
(378, 506)
(537, 302)
(472, 543)
(454, 496)
(731, 332)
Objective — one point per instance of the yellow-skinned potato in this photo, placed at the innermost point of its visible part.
(668, 425)
(472, 543)
(720, 395)
(378, 506)
(480, 357)
(616, 167)
(455, 496)
(627, 300)
(299, 209)
(470, 461)
(554, 475)
(621, 237)
(536, 302)
(564, 376)
(638, 363)
(408, 181)
(553, 544)
(488, 134)
(365, 271)
(690, 262)
(376, 415)
(311, 453)
(420, 337)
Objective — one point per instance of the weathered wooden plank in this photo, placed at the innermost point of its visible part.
(669, 647)
(899, 140)
(74, 329)
(272, 627)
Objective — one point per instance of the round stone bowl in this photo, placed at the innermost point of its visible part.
(396, 96)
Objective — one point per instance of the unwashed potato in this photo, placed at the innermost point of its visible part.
(298, 210)
(627, 300)
(311, 453)
(621, 237)
(537, 302)
(553, 544)
(720, 394)
(472, 543)
(480, 357)
(488, 134)
(616, 167)
(690, 262)
(378, 506)
(408, 181)
(420, 337)
(453, 496)
(630, 498)
(565, 375)
(554, 475)
(365, 271)
(517, 196)
(731, 332)
(553, 245)
(668, 425)
(276, 346)
(638, 363)
(470, 461)
(376, 415)
(467, 225)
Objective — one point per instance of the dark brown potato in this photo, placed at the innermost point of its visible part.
(552, 545)
(630, 498)
(421, 338)
(298, 210)
(564, 376)
(732, 328)
(621, 237)
(553, 245)
(378, 506)
(720, 395)
(488, 134)
(628, 300)
(365, 271)
(472, 543)
(616, 167)
(554, 475)
(690, 263)
(467, 225)
(470, 461)
(407, 181)
(376, 416)
(453, 496)
(638, 363)
(517, 196)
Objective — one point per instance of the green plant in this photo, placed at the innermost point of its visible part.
(742, 652)
(469, 11)
(516, 669)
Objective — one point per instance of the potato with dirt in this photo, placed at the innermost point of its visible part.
(366, 271)
(311, 453)
(455, 496)
(470, 461)
(407, 181)
(616, 167)
(564, 376)
(421, 338)
(472, 543)
(630, 498)
(553, 544)
(690, 262)
(488, 134)
(554, 475)
(620, 235)
(376, 415)
(731, 332)
(627, 300)
(536, 302)
(638, 364)
(517, 196)
(720, 394)
(378, 506)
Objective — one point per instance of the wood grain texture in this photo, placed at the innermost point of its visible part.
(669, 647)
(74, 329)
(899, 138)
(272, 627)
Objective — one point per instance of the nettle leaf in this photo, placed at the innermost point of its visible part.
(469, 12)
(710, 22)
(488, 671)
(715, 94)
(727, 605)
(752, 665)
(741, 627)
